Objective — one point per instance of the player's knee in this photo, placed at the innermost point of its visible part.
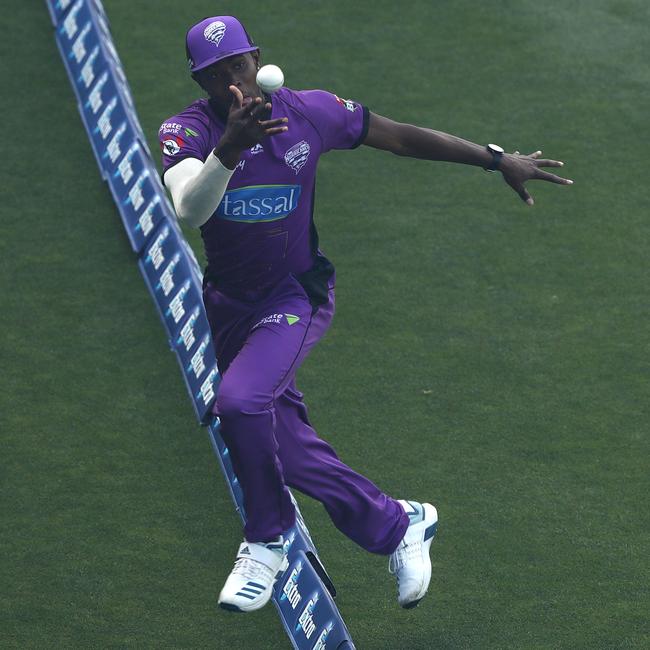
(237, 402)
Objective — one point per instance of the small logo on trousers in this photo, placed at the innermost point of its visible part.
(277, 319)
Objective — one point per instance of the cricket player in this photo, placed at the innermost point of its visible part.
(241, 166)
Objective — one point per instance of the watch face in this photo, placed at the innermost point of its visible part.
(495, 148)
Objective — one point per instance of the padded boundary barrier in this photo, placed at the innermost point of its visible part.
(304, 595)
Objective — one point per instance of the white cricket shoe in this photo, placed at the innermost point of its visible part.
(250, 584)
(410, 561)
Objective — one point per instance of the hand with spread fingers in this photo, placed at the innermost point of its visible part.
(246, 127)
(428, 144)
(518, 169)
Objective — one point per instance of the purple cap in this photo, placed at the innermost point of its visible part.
(214, 39)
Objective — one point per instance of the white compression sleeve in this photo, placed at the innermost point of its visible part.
(197, 188)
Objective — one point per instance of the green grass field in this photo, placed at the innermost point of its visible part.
(489, 357)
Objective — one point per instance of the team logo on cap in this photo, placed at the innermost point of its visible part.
(214, 32)
(296, 157)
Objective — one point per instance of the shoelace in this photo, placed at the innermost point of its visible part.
(251, 569)
(403, 553)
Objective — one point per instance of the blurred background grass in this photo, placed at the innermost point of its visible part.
(485, 356)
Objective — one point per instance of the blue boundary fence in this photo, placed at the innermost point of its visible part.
(304, 596)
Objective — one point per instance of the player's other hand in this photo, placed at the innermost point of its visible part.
(518, 169)
(246, 125)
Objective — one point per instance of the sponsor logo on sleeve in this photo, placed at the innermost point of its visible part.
(173, 143)
(297, 156)
(258, 148)
(214, 32)
(347, 104)
(172, 146)
(170, 127)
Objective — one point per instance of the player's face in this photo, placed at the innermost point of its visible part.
(239, 70)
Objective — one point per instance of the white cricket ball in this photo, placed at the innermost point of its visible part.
(270, 78)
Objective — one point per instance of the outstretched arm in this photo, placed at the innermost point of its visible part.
(417, 142)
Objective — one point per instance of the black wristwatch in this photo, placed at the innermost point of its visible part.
(497, 153)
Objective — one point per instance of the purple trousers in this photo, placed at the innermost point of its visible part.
(259, 345)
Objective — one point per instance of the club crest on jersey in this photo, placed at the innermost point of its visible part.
(347, 104)
(214, 32)
(296, 157)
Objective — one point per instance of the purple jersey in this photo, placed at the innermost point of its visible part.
(263, 228)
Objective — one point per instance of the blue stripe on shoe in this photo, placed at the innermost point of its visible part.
(413, 505)
(417, 514)
(253, 590)
(245, 595)
(430, 531)
(255, 584)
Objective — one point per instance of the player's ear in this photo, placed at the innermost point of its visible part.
(197, 77)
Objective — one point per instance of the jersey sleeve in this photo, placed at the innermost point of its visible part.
(182, 136)
(341, 123)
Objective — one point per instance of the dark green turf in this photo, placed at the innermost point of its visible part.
(487, 356)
